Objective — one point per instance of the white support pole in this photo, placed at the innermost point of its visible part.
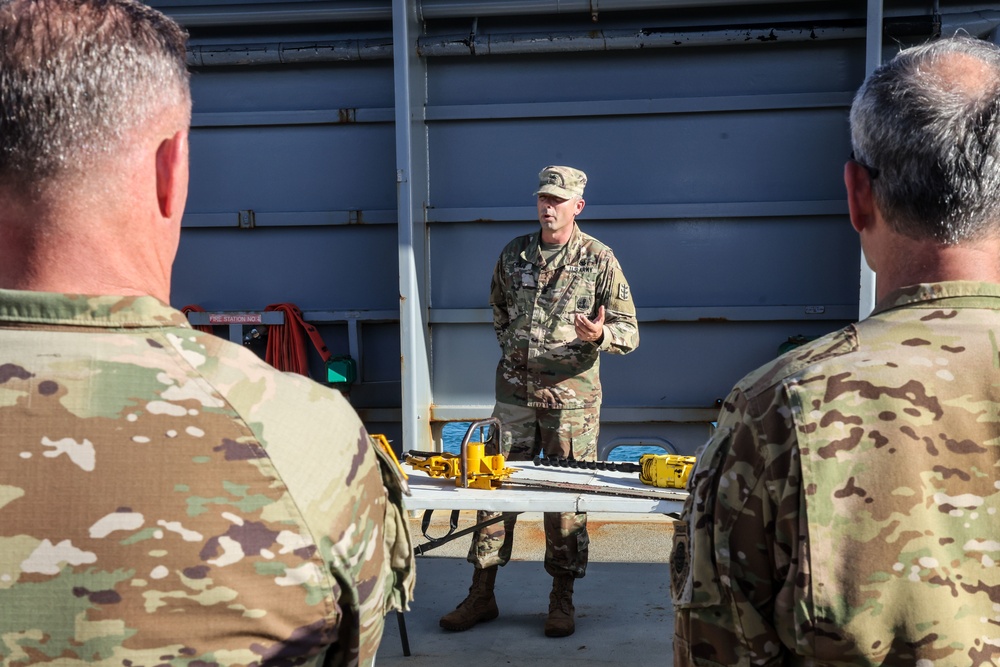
(873, 58)
(410, 84)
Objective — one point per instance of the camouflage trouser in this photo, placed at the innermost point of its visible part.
(525, 433)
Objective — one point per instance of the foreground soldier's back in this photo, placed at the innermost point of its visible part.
(165, 497)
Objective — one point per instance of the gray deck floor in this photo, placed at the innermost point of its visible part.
(623, 617)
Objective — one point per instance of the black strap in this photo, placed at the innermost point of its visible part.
(435, 542)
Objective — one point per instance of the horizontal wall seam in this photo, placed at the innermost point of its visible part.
(609, 414)
(652, 314)
(649, 315)
(699, 314)
(478, 215)
(530, 110)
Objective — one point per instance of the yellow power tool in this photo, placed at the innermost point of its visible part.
(667, 471)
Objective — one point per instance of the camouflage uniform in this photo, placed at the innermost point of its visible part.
(168, 498)
(544, 364)
(845, 510)
(548, 389)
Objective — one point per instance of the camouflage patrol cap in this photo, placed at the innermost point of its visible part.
(562, 182)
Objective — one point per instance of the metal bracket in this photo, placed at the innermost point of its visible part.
(472, 35)
(246, 219)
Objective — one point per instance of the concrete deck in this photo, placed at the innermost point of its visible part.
(623, 610)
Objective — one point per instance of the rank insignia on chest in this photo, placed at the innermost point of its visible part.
(622, 292)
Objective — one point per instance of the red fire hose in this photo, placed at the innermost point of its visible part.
(286, 345)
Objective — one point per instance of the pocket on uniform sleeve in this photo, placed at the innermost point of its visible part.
(695, 563)
(680, 561)
(397, 540)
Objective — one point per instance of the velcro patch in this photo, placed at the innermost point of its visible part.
(680, 564)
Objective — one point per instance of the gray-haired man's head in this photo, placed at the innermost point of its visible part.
(77, 76)
(926, 125)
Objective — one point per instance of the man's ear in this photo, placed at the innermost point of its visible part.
(860, 198)
(171, 174)
(579, 206)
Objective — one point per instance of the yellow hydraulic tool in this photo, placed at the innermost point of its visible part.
(483, 472)
(667, 471)
(470, 469)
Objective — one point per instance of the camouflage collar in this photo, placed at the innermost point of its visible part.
(930, 293)
(532, 252)
(50, 308)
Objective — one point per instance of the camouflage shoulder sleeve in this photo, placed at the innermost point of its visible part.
(323, 455)
(736, 563)
(398, 540)
(729, 580)
(621, 328)
(796, 360)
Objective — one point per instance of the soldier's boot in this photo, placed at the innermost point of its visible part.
(560, 621)
(479, 606)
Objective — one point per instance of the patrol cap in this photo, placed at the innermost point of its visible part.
(562, 182)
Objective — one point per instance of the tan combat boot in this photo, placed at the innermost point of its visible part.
(479, 606)
(560, 621)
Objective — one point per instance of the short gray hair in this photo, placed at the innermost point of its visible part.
(77, 76)
(935, 145)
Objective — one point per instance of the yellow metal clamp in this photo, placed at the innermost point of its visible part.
(482, 472)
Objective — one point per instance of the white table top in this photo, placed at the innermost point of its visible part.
(441, 493)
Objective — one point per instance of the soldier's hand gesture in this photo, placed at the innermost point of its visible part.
(589, 330)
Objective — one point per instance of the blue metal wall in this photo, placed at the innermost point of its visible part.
(714, 160)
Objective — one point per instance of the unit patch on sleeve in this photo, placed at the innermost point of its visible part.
(622, 291)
